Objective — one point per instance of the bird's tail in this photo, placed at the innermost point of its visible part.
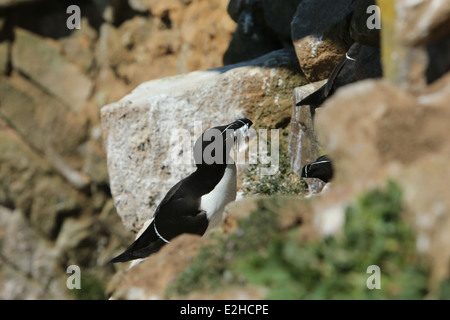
(145, 245)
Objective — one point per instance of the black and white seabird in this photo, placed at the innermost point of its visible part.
(342, 74)
(321, 168)
(198, 200)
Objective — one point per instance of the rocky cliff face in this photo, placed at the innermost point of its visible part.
(86, 152)
(376, 130)
(56, 206)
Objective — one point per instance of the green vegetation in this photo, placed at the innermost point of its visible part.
(92, 288)
(285, 181)
(212, 267)
(336, 268)
(260, 253)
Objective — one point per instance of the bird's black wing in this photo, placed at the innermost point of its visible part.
(176, 214)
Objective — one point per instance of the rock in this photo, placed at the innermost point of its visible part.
(138, 130)
(38, 117)
(36, 57)
(94, 162)
(113, 11)
(304, 145)
(5, 46)
(149, 279)
(49, 199)
(206, 31)
(79, 47)
(436, 94)
(415, 40)
(422, 24)
(358, 25)
(53, 168)
(376, 131)
(85, 242)
(24, 256)
(139, 5)
(252, 38)
(178, 37)
(10, 3)
(321, 37)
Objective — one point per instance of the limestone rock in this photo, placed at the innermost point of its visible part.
(304, 145)
(24, 255)
(149, 279)
(41, 123)
(416, 41)
(5, 46)
(28, 186)
(375, 131)
(113, 11)
(423, 23)
(437, 93)
(79, 47)
(321, 36)
(35, 57)
(143, 162)
(178, 37)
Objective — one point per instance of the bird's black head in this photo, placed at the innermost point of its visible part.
(321, 169)
(214, 145)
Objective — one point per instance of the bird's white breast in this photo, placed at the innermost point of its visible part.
(224, 192)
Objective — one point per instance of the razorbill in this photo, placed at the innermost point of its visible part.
(342, 74)
(321, 168)
(196, 202)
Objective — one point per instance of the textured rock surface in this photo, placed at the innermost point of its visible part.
(54, 183)
(415, 40)
(178, 37)
(32, 258)
(149, 279)
(137, 130)
(55, 205)
(423, 23)
(320, 36)
(41, 61)
(304, 146)
(375, 131)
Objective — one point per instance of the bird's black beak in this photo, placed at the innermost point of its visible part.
(238, 127)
